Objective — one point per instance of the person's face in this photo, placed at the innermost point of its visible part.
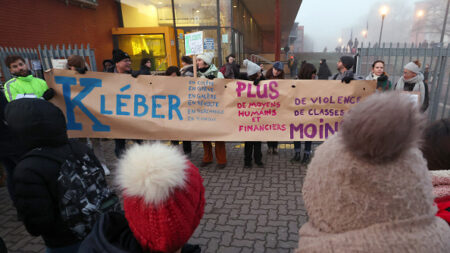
(408, 74)
(201, 64)
(340, 66)
(184, 63)
(313, 76)
(173, 74)
(108, 65)
(148, 64)
(230, 59)
(124, 65)
(276, 72)
(18, 68)
(72, 68)
(378, 69)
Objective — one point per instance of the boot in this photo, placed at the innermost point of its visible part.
(275, 151)
(306, 158)
(296, 158)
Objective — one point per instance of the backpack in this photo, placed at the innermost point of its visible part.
(83, 194)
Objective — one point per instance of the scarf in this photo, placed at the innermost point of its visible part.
(419, 86)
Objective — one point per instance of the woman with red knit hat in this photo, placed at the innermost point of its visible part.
(163, 199)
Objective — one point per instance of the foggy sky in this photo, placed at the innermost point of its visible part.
(327, 20)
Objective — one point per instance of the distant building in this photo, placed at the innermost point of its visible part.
(296, 38)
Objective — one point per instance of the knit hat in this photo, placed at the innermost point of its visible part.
(252, 68)
(119, 55)
(411, 66)
(368, 189)
(347, 61)
(278, 66)
(206, 57)
(163, 196)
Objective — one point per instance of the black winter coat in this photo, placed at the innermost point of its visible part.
(40, 124)
(113, 235)
(9, 147)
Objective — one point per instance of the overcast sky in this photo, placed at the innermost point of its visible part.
(327, 20)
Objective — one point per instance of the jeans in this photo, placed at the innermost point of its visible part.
(68, 249)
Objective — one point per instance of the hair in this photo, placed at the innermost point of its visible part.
(144, 61)
(417, 62)
(377, 61)
(269, 74)
(436, 145)
(172, 69)
(76, 61)
(107, 60)
(306, 71)
(186, 59)
(10, 59)
(228, 57)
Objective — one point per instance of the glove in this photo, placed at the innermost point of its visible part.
(256, 82)
(49, 94)
(382, 78)
(135, 74)
(348, 77)
(210, 77)
(81, 70)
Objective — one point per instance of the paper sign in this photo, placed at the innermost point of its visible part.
(109, 105)
(59, 63)
(209, 44)
(193, 43)
(224, 38)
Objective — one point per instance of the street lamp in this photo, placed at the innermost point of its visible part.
(364, 33)
(419, 14)
(340, 40)
(383, 12)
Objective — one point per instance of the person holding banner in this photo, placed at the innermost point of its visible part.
(207, 69)
(254, 74)
(412, 80)
(188, 68)
(378, 74)
(344, 67)
(276, 72)
(307, 72)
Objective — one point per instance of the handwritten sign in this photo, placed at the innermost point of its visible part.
(108, 105)
(193, 43)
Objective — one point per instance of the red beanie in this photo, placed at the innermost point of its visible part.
(163, 196)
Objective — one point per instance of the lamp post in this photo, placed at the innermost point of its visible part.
(445, 23)
(383, 12)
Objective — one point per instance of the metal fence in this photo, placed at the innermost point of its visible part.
(395, 56)
(41, 58)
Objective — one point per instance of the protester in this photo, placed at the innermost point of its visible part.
(205, 68)
(412, 80)
(378, 74)
(426, 74)
(324, 70)
(163, 199)
(107, 64)
(59, 184)
(146, 66)
(276, 72)
(436, 150)
(24, 84)
(122, 65)
(293, 64)
(368, 189)
(344, 67)
(307, 72)
(77, 63)
(230, 70)
(188, 68)
(253, 147)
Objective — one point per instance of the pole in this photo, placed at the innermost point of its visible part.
(177, 47)
(381, 30)
(277, 31)
(445, 24)
(194, 59)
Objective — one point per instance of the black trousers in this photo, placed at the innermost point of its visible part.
(272, 144)
(120, 146)
(187, 146)
(255, 148)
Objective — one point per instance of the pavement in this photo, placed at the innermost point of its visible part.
(247, 210)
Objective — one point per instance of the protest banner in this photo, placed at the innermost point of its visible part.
(109, 105)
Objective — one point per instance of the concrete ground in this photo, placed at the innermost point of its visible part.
(247, 210)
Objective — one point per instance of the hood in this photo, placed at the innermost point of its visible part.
(36, 122)
(111, 234)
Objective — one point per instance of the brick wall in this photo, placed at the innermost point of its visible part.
(28, 23)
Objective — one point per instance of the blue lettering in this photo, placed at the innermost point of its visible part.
(120, 104)
(155, 106)
(89, 84)
(103, 106)
(139, 101)
(174, 107)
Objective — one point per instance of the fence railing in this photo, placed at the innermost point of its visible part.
(434, 60)
(40, 59)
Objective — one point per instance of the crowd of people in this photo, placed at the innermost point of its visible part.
(367, 188)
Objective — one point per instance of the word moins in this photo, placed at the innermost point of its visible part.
(140, 107)
(312, 130)
(260, 91)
